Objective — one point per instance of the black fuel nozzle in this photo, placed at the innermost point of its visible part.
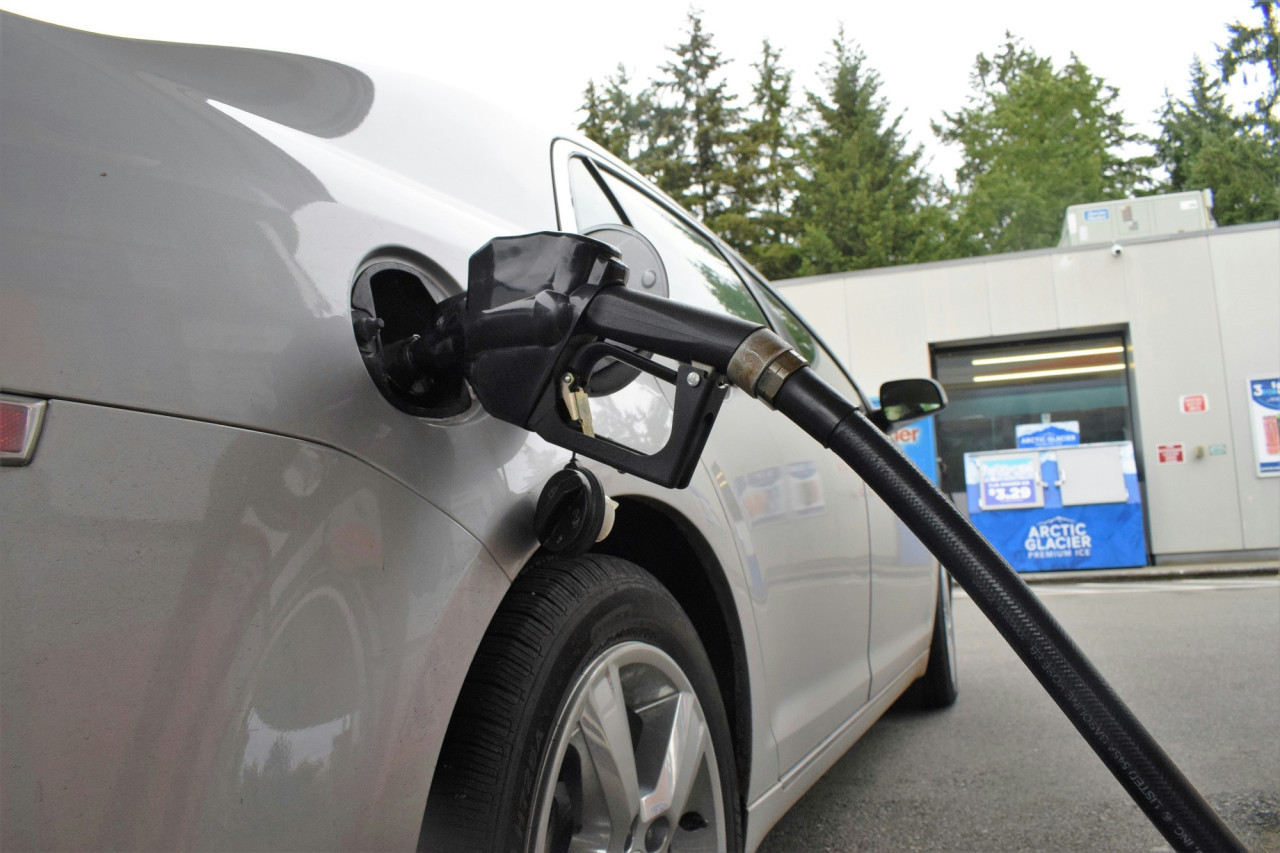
(433, 356)
(576, 314)
(544, 311)
(525, 297)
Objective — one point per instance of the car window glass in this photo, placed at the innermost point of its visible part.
(822, 362)
(698, 273)
(591, 207)
(792, 329)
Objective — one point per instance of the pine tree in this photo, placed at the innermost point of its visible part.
(1257, 48)
(758, 218)
(615, 119)
(1186, 127)
(593, 125)
(865, 203)
(1203, 142)
(692, 142)
(1244, 169)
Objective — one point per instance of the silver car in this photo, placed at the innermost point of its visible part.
(255, 592)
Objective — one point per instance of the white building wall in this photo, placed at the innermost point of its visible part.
(1177, 350)
(1246, 276)
(1203, 312)
(1020, 295)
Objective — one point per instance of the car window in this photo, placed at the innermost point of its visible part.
(698, 273)
(822, 362)
(591, 207)
(792, 329)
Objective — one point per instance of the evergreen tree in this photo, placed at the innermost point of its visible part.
(615, 119)
(1204, 143)
(1034, 140)
(758, 218)
(692, 142)
(1187, 126)
(865, 203)
(1256, 48)
(1244, 174)
(593, 125)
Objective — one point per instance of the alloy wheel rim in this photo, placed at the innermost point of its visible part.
(631, 766)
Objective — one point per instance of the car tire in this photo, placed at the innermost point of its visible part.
(938, 687)
(590, 716)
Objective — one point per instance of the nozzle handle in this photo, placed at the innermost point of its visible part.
(698, 396)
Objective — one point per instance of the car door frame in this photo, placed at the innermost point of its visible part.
(800, 739)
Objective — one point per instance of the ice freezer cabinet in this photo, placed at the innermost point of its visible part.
(1066, 508)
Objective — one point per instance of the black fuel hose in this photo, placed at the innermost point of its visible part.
(1132, 755)
(766, 367)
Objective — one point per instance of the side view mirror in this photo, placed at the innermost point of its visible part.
(903, 400)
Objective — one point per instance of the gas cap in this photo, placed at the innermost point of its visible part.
(573, 512)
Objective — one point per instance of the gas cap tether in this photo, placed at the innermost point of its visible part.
(573, 512)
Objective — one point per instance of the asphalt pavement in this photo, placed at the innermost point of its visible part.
(1193, 651)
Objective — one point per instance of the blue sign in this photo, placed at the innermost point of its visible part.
(1046, 535)
(917, 442)
(1100, 214)
(1101, 536)
(1264, 413)
(1265, 393)
(1060, 434)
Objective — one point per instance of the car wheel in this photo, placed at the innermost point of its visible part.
(590, 720)
(938, 686)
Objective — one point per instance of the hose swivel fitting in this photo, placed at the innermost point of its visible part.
(761, 363)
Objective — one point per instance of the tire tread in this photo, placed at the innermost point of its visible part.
(479, 772)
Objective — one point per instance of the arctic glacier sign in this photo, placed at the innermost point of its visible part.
(1058, 537)
(1039, 436)
(1079, 528)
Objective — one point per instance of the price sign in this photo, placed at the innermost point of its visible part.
(1010, 481)
(1008, 493)
(1264, 414)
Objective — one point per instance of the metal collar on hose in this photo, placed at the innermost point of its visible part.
(762, 363)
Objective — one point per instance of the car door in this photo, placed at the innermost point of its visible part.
(800, 515)
(903, 571)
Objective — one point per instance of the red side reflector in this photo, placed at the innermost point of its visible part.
(19, 428)
(13, 427)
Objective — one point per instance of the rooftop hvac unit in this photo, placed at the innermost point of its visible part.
(1129, 218)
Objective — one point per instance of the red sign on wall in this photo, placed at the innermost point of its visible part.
(1172, 453)
(907, 435)
(1191, 403)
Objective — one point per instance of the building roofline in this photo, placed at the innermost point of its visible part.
(1029, 253)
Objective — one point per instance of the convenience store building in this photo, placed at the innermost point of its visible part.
(1167, 344)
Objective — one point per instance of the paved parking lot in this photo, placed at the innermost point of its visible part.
(1196, 659)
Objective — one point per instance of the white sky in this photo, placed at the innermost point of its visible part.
(538, 57)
